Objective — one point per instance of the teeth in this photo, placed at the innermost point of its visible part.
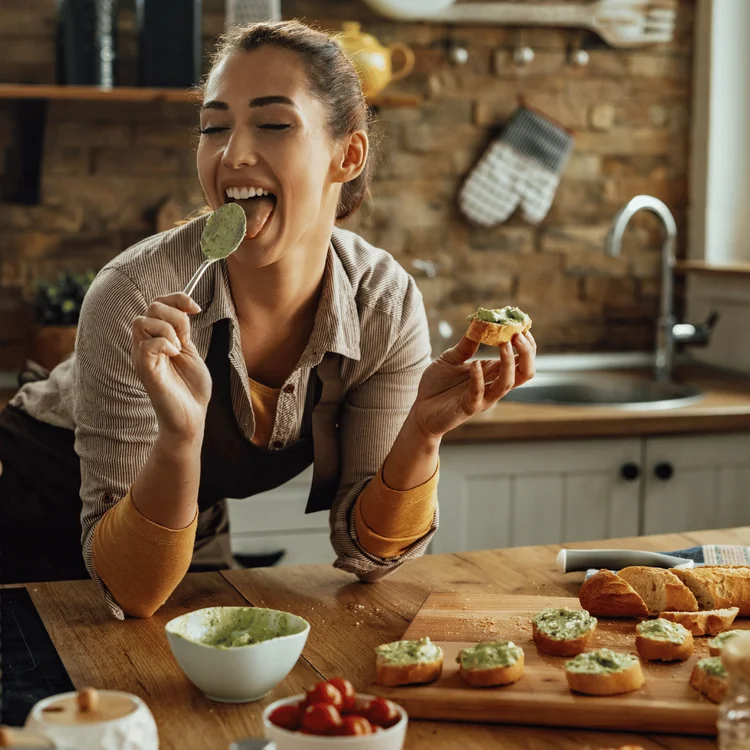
(243, 193)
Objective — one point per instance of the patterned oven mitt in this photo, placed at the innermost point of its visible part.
(521, 167)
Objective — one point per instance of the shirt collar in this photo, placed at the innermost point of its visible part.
(336, 328)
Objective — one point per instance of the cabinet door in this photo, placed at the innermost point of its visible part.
(704, 483)
(510, 494)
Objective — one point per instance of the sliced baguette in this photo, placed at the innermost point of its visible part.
(494, 334)
(716, 645)
(713, 686)
(489, 676)
(653, 648)
(607, 595)
(704, 623)
(660, 589)
(560, 644)
(718, 586)
(609, 682)
(419, 670)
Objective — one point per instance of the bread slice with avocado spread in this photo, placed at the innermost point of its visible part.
(662, 640)
(491, 663)
(563, 632)
(408, 662)
(604, 672)
(709, 677)
(715, 645)
(495, 327)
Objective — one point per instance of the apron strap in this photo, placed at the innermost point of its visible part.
(326, 466)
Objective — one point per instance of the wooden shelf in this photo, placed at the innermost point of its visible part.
(136, 94)
(713, 269)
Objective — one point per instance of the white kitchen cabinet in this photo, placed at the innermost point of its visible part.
(699, 482)
(509, 494)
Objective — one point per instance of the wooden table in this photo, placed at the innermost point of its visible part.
(348, 619)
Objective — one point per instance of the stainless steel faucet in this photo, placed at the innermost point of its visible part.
(668, 331)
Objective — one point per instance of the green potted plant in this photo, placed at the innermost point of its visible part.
(57, 309)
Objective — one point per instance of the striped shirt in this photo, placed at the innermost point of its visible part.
(370, 313)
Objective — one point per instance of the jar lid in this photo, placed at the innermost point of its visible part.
(88, 706)
(735, 655)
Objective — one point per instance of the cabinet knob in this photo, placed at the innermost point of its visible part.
(630, 472)
(664, 470)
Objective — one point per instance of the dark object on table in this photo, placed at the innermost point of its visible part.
(169, 42)
(31, 667)
(87, 42)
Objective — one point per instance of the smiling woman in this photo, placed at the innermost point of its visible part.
(305, 346)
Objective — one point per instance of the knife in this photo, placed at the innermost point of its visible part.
(569, 560)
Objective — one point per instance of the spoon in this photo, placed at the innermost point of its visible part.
(224, 231)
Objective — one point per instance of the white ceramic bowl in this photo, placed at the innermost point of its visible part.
(386, 739)
(408, 10)
(243, 673)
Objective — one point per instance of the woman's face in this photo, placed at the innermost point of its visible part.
(264, 145)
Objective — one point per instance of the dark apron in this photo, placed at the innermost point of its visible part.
(40, 505)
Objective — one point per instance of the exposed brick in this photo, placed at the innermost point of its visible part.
(503, 238)
(57, 218)
(69, 160)
(137, 161)
(82, 134)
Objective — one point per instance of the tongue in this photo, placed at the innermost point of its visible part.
(257, 211)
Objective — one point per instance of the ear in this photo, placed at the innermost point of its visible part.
(350, 160)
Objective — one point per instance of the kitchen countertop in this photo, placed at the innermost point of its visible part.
(347, 619)
(725, 407)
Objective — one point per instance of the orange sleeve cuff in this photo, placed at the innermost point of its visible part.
(139, 561)
(389, 521)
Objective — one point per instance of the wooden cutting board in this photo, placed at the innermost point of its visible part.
(541, 697)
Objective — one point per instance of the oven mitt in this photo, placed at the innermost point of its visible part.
(521, 167)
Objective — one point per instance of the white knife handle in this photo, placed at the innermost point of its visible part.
(569, 560)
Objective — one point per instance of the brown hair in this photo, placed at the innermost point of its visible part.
(332, 80)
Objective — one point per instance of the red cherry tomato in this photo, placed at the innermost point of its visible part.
(354, 725)
(323, 692)
(382, 712)
(321, 718)
(286, 717)
(347, 693)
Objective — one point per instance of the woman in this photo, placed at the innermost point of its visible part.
(306, 346)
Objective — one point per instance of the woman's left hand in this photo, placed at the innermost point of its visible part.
(452, 388)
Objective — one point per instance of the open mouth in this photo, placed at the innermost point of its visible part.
(257, 203)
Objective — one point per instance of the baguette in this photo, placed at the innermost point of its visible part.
(709, 677)
(607, 595)
(704, 623)
(718, 586)
(491, 663)
(662, 640)
(563, 632)
(660, 589)
(716, 645)
(604, 672)
(484, 331)
(408, 662)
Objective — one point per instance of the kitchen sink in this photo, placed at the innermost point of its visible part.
(603, 389)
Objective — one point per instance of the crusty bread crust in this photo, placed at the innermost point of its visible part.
(494, 675)
(611, 683)
(713, 687)
(652, 649)
(392, 675)
(568, 647)
(660, 589)
(704, 623)
(607, 595)
(494, 334)
(718, 586)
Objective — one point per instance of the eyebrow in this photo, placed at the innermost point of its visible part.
(261, 101)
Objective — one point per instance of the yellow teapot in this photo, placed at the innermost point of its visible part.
(373, 60)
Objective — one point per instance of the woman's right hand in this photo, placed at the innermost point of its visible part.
(174, 374)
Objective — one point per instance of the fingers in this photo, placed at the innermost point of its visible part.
(525, 368)
(475, 395)
(506, 376)
(151, 349)
(462, 351)
(145, 329)
(180, 301)
(174, 309)
(531, 339)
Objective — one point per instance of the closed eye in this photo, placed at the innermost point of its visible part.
(275, 126)
(208, 131)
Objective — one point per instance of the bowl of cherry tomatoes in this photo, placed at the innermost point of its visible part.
(331, 714)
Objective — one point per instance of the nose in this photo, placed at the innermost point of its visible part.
(240, 150)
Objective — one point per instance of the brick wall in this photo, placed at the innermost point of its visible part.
(108, 166)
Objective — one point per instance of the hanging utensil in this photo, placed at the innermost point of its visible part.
(222, 235)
